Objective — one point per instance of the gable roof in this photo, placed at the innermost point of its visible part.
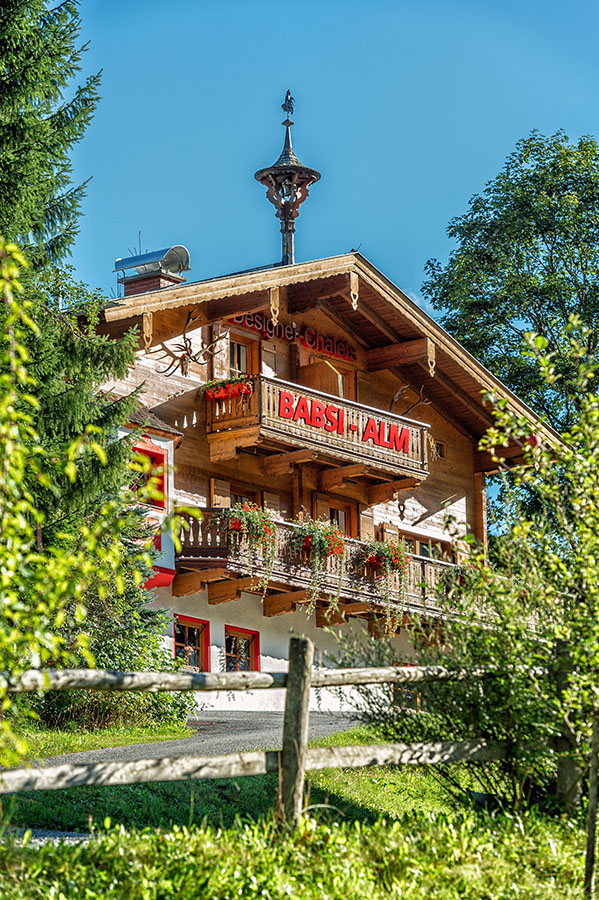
(385, 316)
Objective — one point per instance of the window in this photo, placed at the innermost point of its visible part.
(244, 356)
(157, 458)
(343, 515)
(242, 650)
(192, 643)
(440, 450)
(238, 359)
(241, 494)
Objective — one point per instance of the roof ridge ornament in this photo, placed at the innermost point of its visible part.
(287, 182)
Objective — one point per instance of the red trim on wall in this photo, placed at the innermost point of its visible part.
(191, 620)
(158, 457)
(255, 643)
(161, 578)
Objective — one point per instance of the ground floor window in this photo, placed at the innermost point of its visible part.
(192, 643)
(242, 650)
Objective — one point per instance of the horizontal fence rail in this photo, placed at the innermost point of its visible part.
(235, 765)
(108, 680)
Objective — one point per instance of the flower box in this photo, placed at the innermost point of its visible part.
(228, 390)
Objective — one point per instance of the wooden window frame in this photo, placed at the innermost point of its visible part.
(350, 508)
(242, 489)
(254, 647)
(204, 625)
(254, 359)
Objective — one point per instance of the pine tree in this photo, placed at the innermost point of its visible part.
(39, 56)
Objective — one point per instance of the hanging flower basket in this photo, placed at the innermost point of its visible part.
(384, 560)
(315, 541)
(231, 387)
(252, 523)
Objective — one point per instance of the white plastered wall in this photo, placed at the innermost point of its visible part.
(274, 644)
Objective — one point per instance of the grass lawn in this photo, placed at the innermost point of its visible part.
(218, 839)
(53, 742)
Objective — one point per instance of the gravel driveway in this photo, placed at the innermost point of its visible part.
(217, 733)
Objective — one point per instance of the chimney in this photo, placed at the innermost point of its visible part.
(153, 271)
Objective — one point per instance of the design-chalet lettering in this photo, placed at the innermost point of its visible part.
(309, 337)
(332, 418)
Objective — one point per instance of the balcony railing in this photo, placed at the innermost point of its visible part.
(207, 544)
(298, 416)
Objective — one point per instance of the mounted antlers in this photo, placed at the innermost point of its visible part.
(186, 356)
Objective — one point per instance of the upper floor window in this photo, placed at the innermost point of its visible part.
(156, 471)
(238, 359)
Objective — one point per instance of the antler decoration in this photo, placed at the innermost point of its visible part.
(183, 359)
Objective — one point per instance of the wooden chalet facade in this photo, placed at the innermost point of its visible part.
(361, 410)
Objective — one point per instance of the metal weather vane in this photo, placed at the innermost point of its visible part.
(287, 105)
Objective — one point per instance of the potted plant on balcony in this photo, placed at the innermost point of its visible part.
(223, 389)
(382, 560)
(246, 521)
(315, 540)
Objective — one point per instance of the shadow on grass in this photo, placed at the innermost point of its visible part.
(164, 804)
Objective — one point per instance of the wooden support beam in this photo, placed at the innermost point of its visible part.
(326, 617)
(291, 596)
(401, 354)
(283, 463)
(355, 609)
(191, 582)
(224, 444)
(483, 461)
(380, 493)
(475, 406)
(338, 319)
(375, 319)
(229, 590)
(336, 477)
(242, 305)
(277, 605)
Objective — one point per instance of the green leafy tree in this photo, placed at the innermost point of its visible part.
(532, 619)
(41, 587)
(526, 257)
(40, 55)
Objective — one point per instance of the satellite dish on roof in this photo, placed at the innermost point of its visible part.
(172, 260)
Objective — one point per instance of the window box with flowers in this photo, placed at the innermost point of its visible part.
(315, 541)
(246, 521)
(227, 388)
(382, 560)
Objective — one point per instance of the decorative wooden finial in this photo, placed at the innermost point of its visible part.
(287, 182)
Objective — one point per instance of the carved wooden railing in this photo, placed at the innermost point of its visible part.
(263, 406)
(208, 542)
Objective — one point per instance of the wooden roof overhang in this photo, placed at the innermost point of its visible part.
(393, 330)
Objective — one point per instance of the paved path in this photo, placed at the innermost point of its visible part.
(217, 732)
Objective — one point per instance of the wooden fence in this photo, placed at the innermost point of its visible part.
(295, 758)
(291, 762)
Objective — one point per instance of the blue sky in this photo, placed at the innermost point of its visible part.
(406, 108)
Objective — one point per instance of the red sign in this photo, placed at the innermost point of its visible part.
(309, 337)
(331, 418)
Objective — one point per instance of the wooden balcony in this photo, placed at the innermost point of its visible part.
(279, 415)
(220, 554)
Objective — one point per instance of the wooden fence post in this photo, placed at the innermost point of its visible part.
(295, 728)
(589, 869)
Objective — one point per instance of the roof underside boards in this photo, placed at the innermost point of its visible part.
(385, 315)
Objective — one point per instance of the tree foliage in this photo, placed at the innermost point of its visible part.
(526, 257)
(532, 619)
(40, 55)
